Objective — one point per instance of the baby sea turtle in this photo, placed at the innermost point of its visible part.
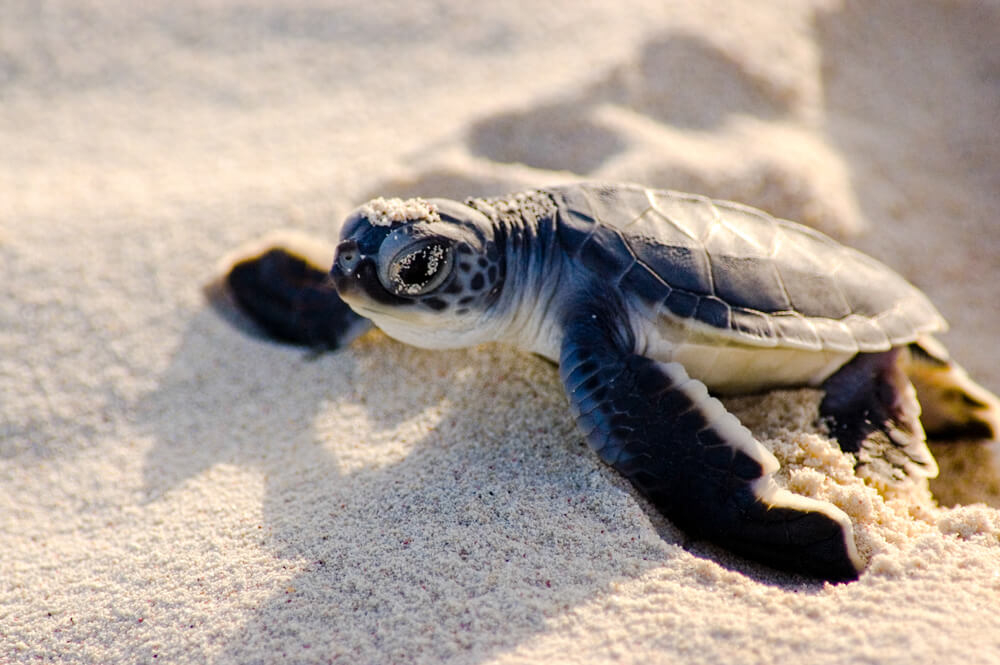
(650, 302)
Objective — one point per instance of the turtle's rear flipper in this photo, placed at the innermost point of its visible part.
(871, 409)
(693, 459)
(287, 292)
(954, 406)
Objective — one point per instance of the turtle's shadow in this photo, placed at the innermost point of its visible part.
(379, 562)
(393, 553)
(564, 133)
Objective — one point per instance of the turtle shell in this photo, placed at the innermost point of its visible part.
(739, 272)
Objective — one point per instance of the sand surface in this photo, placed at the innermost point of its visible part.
(173, 489)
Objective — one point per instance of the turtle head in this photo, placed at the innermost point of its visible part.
(425, 272)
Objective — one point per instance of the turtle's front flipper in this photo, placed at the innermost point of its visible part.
(692, 458)
(287, 293)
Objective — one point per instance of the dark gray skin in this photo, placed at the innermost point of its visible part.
(647, 300)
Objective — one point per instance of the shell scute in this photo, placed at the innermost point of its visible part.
(614, 206)
(754, 325)
(576, 224)
(796, 331)
(605, 253)
(645, 283)
(573, 233)
(865, 285)
(836, 336)
(869, 335)
(681, 303)
(683, 268)
(714, 312)
(895, 326)
(694, 215)
(756, 231)
(749, 281)
(814, 294)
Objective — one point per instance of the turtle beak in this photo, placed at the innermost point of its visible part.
(345, 265)
(356, 278)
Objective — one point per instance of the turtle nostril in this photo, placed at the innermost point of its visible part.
(348, 256)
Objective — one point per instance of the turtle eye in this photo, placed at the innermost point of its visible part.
(419, 268)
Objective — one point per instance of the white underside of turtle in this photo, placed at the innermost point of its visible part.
(652, 303)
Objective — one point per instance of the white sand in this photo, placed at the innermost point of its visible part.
(174, 489)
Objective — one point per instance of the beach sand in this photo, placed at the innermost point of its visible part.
(173, 488)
